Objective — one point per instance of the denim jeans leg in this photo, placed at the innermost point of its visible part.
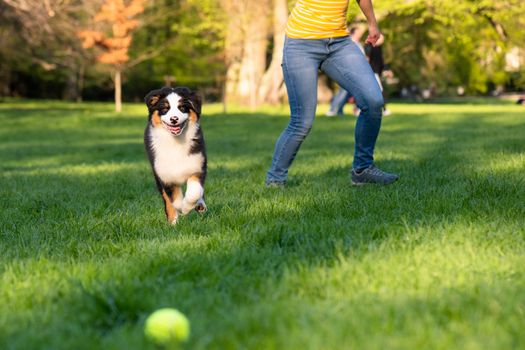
(301, 60)
(347, 65)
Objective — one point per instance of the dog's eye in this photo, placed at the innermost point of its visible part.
(184, 109)
(164, 108)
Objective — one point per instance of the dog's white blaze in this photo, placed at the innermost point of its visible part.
(174, 110)
(173, 161)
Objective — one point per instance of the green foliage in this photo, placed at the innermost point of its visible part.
(443, 44)
(450, 43)
(433, 262)
(191, 35)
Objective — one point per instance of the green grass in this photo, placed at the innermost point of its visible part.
(435, 261)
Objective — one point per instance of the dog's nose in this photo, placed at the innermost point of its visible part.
(174, 120)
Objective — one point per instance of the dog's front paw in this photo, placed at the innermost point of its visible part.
(201, 207)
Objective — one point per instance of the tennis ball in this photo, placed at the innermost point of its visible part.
(167, 326)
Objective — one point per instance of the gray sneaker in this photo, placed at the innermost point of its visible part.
(275, 184)
(372, 175)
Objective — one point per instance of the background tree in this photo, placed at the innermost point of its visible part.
(40, 55)
(246, 46)
(115, 48)
(187, 39)
(271, 89)
(232, 49)
(446, 44)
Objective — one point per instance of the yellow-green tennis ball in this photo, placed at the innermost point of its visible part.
(166, 326)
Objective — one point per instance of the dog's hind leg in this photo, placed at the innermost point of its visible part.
(194, 193)
(176, 198)
(171, 212)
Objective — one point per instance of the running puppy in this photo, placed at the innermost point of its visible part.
(175, 146)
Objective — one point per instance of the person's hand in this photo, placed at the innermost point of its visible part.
(375, 38)
(388, 74)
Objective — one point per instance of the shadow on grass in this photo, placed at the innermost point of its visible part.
(109, 222)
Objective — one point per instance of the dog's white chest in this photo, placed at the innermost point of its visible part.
(173, 161)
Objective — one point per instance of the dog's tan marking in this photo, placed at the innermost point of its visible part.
(177, 193)
(193, 116)
(195, 178)
(153, 100)
(155, 119)
(176, 197)
(171, 213)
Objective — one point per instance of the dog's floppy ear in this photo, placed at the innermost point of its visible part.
(154, 96)
(194, 99)
(195, 102)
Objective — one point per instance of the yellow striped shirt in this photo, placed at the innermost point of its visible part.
(317, 19)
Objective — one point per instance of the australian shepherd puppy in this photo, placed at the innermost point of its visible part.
(175, 146)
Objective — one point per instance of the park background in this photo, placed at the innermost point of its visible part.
(231, 50)
(436, 261)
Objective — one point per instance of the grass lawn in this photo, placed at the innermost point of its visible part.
(435, 261)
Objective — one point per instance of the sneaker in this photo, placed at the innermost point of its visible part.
(275, 184)
(331, 114)
(372, 175)
(386, 112)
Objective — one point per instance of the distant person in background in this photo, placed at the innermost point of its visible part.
(341, 98)
(375, 58)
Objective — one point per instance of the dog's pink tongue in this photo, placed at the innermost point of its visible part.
(176, 130)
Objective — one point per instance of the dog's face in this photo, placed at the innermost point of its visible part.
(173, 108)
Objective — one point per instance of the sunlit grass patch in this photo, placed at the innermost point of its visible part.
(435, 261)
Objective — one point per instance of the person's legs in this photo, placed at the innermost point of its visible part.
(301, 60)
(338, 102)
(348, 66)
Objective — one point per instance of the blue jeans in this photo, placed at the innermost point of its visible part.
(343, 61)
(338, 102)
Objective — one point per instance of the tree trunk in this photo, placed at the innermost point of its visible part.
(5, 81)
(118, 91)
(246, 45)
(251, 70)
(270, 89)
(74, 82)
(80, 81)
